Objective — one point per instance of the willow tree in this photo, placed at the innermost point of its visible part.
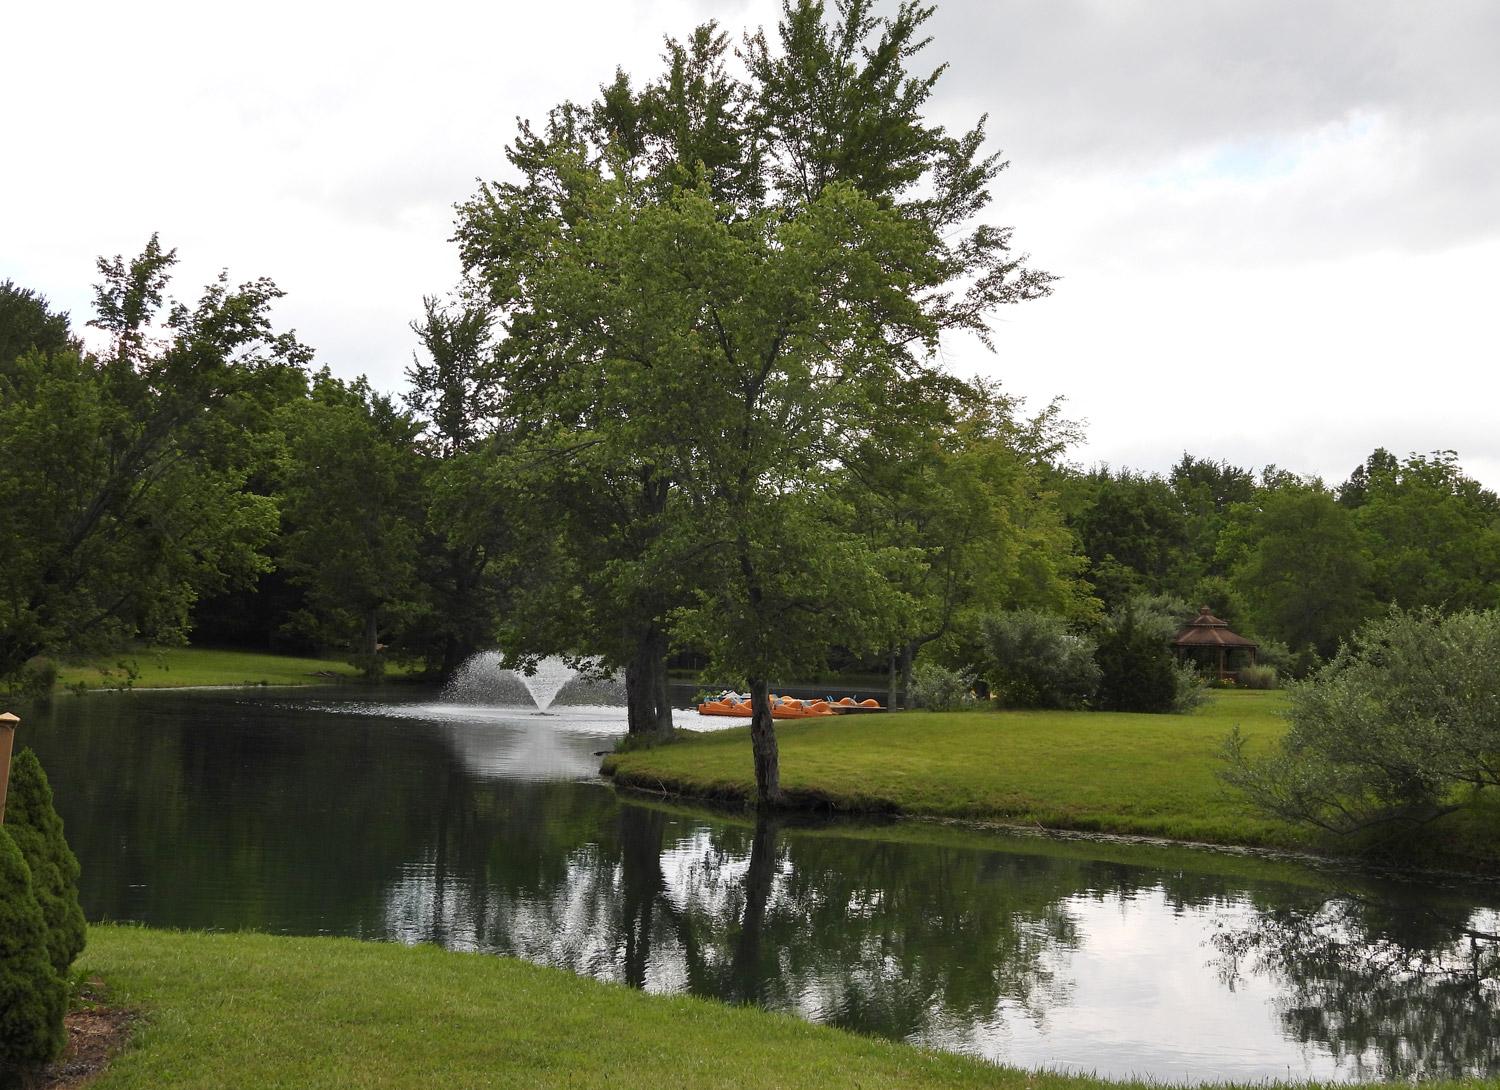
(712, 291)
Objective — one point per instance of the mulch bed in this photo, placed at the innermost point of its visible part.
(96, 1032)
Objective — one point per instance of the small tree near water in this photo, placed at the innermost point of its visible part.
(1400, 728)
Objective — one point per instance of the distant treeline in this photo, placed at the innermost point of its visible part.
(200, 480)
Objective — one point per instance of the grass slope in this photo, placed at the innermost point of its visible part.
(1153, 775)
(180, 667)
(256, 1010)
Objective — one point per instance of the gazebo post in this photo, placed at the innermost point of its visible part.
(7, 739)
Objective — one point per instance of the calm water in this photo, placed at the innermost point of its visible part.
(480, 828)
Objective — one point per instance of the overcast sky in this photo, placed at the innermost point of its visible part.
(1277, 223)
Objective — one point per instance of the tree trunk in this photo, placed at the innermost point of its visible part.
(890, 686)
(908, 653)
(663, 694)
(370, 647)
(647, 700)
(763, 743)
(453, 657)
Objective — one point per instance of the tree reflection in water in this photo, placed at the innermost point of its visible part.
(231, 813)
(1396, 987)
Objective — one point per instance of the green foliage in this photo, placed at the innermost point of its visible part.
(351, 500)
(717, 293)
(1135, 535)
(1137, 670)
(33, 998)
(1433, 532)
(28, 324)
(936, 688)
(1033, 660)
(1300, 564)
(37, 830)
(1400, 728)
(1288, 664)
(130, 466)
(36, 678)
(971, 501)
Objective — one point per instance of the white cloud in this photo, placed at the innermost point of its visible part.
(1274, 219)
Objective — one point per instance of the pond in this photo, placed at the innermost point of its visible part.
(396, 816)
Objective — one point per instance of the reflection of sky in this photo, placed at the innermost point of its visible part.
(1139, 996)
(1143, 1000)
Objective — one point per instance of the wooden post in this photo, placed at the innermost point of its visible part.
(7, 739)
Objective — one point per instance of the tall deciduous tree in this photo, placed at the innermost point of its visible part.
(351, 503)
(713, 292)
(970, 497)
(465, 540)
(1433, 532)
(1300, 564)
(121, 473)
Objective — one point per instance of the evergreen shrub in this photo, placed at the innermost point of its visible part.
(33, 998)
(37, 830)
(1138, 672)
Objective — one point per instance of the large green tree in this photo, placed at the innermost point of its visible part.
(1300, 564)
(712, 291)
(121, 472)
(1433, 532)
(467, 552)
(1134, 532)
(970, 496)
(352, 507)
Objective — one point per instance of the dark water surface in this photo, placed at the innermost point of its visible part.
(404, 818)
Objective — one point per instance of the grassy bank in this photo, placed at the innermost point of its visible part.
(179, 667)
(1152, 775)
(256, 1010)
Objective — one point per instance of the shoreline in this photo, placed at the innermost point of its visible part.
(301, 1011)
(1093, 775)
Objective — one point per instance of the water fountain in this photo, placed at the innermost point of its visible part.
(485, 679)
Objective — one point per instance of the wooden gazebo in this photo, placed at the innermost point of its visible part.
(1206, 641)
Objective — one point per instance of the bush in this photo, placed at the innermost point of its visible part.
(1258, 677)
(1034, 661)
(37, 830)
(1296, 665)
(36, 679)
(1400, 728)
(1138, 672)
(939, 689)
(33, 998)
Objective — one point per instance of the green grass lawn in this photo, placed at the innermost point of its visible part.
(1151, 775)
(177, 667)
(246, 1010)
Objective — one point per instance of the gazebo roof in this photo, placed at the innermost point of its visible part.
(1206, 630)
